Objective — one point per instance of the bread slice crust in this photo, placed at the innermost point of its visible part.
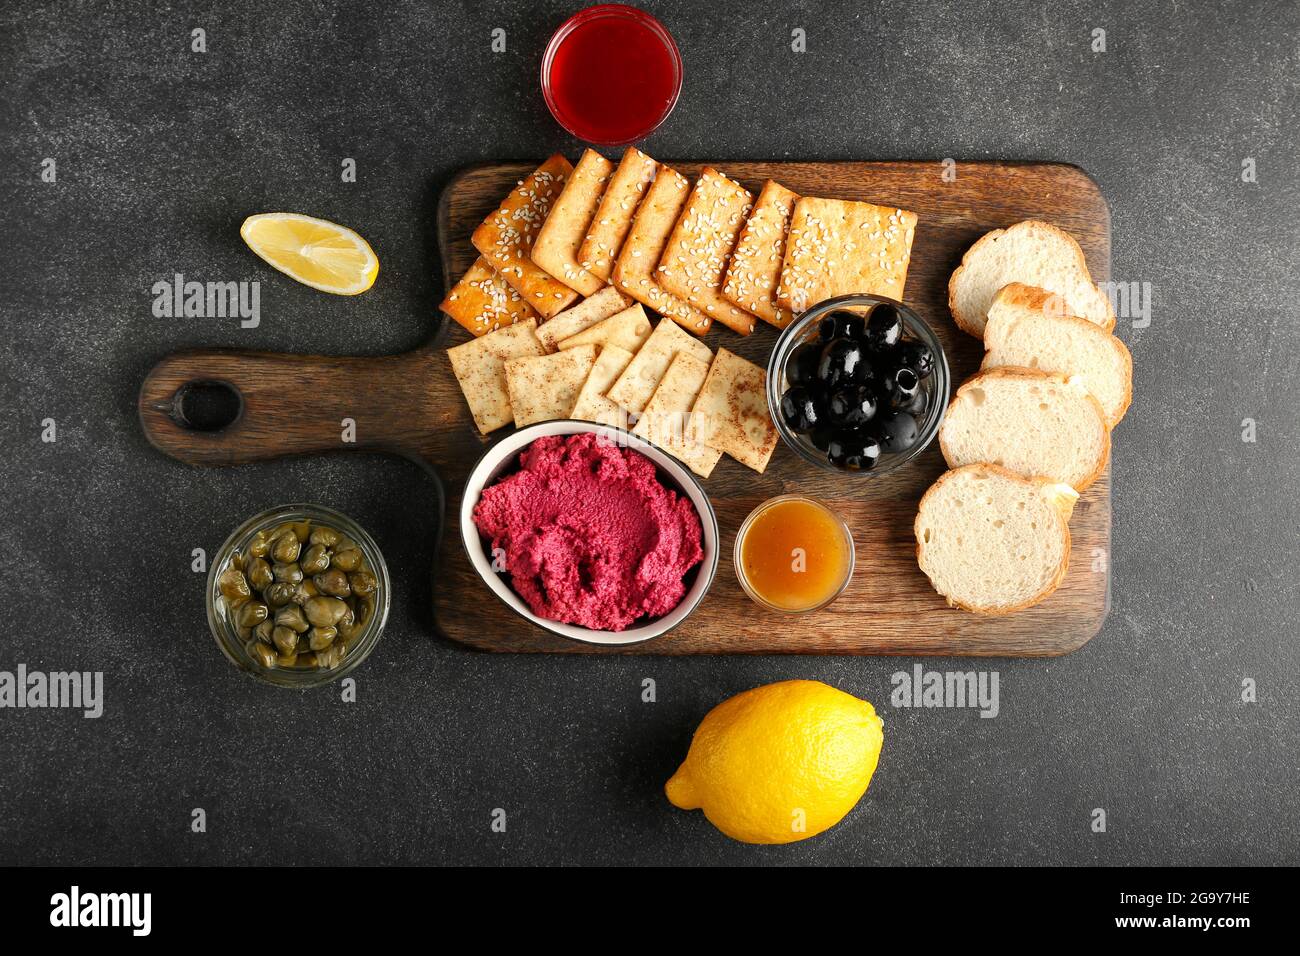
(1062, 508)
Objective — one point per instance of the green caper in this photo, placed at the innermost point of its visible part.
(325, 611)
(279, 593)
(264, 654)
(316, 560)
(286, 548)
(333, 582)
(363, 583)
(304, 592)
(347, 560)
(251, 614)
(324, 537)
(347, 625)
(287, 660)
(260, 546)
(259, 573)
(234, 587)
(290, 616)
(329, 658)
(319, 638)
(285, 639)
(263, 631)
(287, 572)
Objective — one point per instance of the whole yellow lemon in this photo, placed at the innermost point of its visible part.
(781, 762)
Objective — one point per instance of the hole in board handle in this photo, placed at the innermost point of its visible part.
(206, 406)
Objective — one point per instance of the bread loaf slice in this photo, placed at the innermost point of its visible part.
(1036, 254)
(991, 541)
(1033, 423)
(1024, 329)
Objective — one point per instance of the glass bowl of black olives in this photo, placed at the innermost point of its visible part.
(858, 383)
(298, 595)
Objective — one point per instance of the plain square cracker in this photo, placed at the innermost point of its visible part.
(483, 302)
(609, 365)
(667, 420)
(628, 329)
(695, 258)
(544, 388)
(608, 301)
(836, 247)
(592, 405)
(479, 366)
(755, 266)
(557, 243)
(505, 238)
(635, 271)
(613, 220)
(639, 380)
(599, 409)
(731, 413)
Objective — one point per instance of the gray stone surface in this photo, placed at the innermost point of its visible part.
(161, 152)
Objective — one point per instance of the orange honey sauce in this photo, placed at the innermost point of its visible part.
(794, 554)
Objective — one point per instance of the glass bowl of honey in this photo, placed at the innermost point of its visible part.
(794, 554)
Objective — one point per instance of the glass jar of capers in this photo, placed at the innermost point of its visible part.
(298, 595)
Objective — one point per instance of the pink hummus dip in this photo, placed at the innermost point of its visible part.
(590, 535)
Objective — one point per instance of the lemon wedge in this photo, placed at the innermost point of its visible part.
(316, 252)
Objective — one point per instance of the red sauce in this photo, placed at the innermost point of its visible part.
(612, 74)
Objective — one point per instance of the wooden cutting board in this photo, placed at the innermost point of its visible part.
(410, 405)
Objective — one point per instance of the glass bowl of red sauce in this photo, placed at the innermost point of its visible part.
(611, 74)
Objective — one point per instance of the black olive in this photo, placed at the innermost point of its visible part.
(896, 431)
(801, 409)
(885, 328)
(821, 436)
(917, 406)
(867, 374)
(842, 362)
(841, 325)
(801, 366)
(857, 450)
(917, 356)
(898, 389)
(852, 406)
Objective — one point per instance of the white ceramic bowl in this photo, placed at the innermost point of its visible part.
(505, 453)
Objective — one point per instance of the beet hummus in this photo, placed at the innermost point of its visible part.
(589, 533)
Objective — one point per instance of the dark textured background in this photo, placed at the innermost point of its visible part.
(161, 152)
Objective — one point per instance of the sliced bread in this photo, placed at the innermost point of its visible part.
(1036, 254)
(991, 541)
(1024, 329)
(1033, 423)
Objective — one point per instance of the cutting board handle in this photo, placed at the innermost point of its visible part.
(263, 405)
